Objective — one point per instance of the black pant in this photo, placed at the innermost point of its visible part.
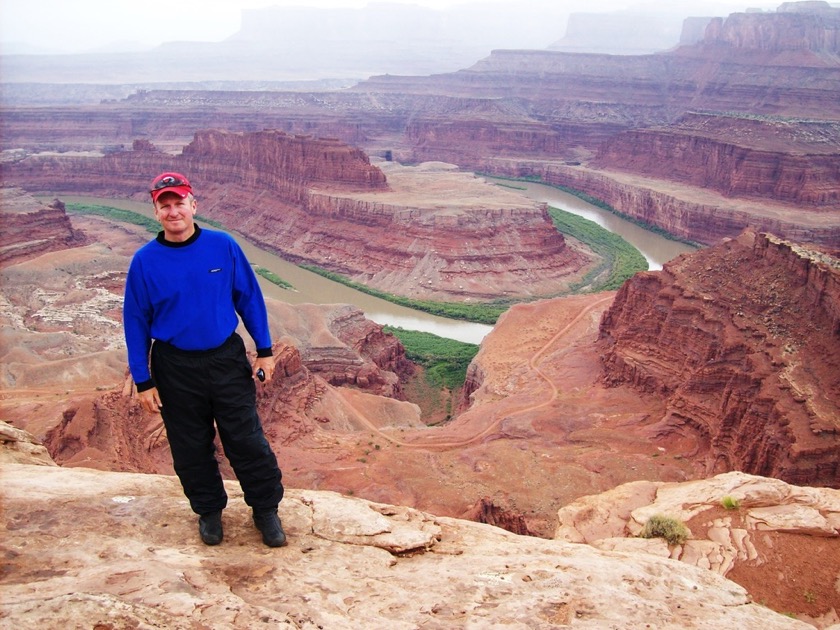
(197, 387)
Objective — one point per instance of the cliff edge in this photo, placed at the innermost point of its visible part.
(87, 548)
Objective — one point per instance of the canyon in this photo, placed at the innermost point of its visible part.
(425, 232)
(581, 416)
(579, 395)
(736, 130)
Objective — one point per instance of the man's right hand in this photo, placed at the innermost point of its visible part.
(150, 400)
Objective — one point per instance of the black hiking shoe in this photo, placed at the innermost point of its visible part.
(210, 528)
(270, 527)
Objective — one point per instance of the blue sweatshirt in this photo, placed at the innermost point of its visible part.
(188, 294)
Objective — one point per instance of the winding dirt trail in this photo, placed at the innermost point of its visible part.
(426, 441)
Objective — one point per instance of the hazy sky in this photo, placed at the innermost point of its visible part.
(83, 25)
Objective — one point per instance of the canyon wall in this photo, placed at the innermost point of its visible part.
(796, 26)
(792, 161)
(283, 164)
(31, 228)
(724, 338)
(271, 162)
(431, 233)
(692, 213)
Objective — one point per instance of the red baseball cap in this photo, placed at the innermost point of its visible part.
(170, 182)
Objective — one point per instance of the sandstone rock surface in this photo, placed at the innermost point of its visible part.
(781, 541)
(95, 549)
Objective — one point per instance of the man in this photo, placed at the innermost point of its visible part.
(183, 292)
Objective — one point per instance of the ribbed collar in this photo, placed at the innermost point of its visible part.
(162, 240)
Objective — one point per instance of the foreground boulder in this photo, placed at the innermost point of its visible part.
(87, 548)
(781, 542)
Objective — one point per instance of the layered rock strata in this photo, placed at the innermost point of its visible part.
(31, 228)
(793, 162)
(688, 212)
(268, 162)
(431, 233)
(812, 26)
(759, 75)
(721, 337)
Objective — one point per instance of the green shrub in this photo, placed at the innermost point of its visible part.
(672, 530)
(621, 259)
(730, 503)
(484, 313)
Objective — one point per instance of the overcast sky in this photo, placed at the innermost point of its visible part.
(86, 25)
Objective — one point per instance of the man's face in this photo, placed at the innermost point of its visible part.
(176, 215)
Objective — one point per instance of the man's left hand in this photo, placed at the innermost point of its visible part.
(266, 364)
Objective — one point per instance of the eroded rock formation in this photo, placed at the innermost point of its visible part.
(689, 212)
(811, 26)
(795, 162)
(268, 162)
(32, 228)
(743, 342)
(734, 131)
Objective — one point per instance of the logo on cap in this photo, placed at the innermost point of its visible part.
(170, 182)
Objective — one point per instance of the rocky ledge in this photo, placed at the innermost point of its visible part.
(738, 525)
(87, 548)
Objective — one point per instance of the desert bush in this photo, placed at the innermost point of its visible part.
(272, 277)
(621, 259)
(115, 214)
(730, 502)
(671, 529)
(484, 313)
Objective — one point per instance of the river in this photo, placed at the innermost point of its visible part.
(656, 249)
(311, 288)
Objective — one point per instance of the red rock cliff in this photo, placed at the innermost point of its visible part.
(689, 212)
(804, 26)
(777, 72)
(743, 340)
(31, 228)
(276, 161)
(789, 161)
(434, 234)
(266, 162)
